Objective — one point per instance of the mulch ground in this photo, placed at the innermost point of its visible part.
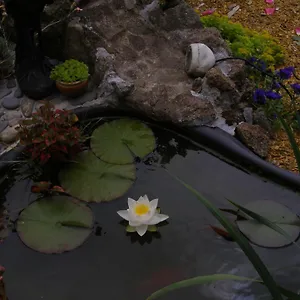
(282, 26)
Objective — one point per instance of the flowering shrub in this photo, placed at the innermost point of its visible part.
(246, 43)
(50, 134)
(271, 91)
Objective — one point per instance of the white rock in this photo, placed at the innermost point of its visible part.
(9, 135)
(199, 59)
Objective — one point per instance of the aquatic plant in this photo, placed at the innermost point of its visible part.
(92, 180)
(121, 141)
(142, 215)
(70, 71)
(50, 134)
(275, 290)
(2, 285)
(55, 224)
(246, 43)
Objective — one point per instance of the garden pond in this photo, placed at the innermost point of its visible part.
(129, 159)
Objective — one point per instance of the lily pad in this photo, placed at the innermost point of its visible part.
(93, 180)
(55, 224)
(265, 236)
(119, 141)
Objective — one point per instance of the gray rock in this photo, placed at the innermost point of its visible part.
(3, 125)
(10, 102)
(254, 137)
(27, 106)
(11, 83)
(88, 96)
(130, 4)
(14, 122)
(4, 92)
(9, 135)
(248, 114)
(215, 78)
(197, 85)
(13, 114)
(18, 93)
(259, 118)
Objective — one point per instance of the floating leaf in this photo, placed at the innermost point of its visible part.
(93, 180)
(208, 12)
(119, 141)
(152, 228)
(297, 30)
(40, 187)
(57, 189)
(55, 224)
(261, 233)
(130, 229)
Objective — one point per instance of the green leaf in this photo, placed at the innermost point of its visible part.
(41, 225)
(241, 240)
(196, 281)
(119, 141)
(93, 180)
(130, 229)
(263, 229)
(152, 228)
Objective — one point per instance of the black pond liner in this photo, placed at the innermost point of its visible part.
(215, 139)
(113, 265)
(220, 142)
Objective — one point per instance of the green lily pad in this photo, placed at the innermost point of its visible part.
(119, 141)
(265, 236)
(55, 224)
(93, 180)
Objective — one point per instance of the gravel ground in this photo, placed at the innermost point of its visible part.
(281, 25)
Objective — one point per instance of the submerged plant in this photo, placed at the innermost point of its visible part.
(142, 215)
(50, 133)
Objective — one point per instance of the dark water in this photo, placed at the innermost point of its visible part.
(111, 265)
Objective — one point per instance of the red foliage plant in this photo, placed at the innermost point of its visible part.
(50, 133)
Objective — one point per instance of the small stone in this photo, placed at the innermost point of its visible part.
(248, 114)
(215, 78)
(3, 125)
(18, 93)
(27, 106)
(11, 83)
(9, 135)
(197, 85)
(254, 137)
(10, 102)
(4, 93)
(14, 122)
(13, 114)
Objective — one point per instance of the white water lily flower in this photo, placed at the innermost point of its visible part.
(141, 214)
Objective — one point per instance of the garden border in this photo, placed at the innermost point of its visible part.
(215, 139)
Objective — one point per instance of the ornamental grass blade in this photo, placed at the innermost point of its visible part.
(292, 140)
(241, 240)
(196, 281)
(264, 221)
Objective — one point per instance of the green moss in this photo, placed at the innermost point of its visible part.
(70, 71)
(247, 43)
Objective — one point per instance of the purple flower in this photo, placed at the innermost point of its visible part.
(276, 85)
(286, 73)
(259, 96)
(272, 95)
(296, 88)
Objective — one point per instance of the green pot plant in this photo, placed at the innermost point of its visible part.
(71, 77)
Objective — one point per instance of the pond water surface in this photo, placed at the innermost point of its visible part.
(111, 265)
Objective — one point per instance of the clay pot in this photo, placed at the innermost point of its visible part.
(72, 89)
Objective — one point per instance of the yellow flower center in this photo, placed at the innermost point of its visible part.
(141, 209)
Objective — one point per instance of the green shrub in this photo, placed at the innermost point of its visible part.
(70, 71)
(247, 43)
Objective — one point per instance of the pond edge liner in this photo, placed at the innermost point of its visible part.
(214, 138)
